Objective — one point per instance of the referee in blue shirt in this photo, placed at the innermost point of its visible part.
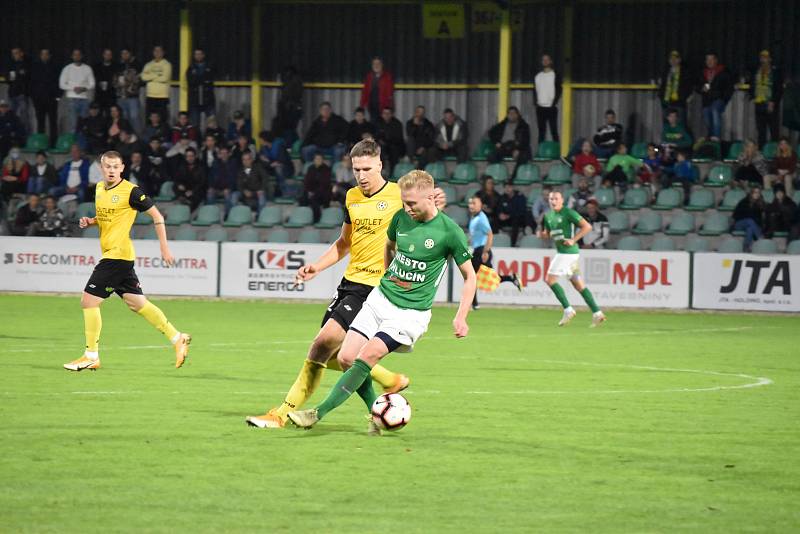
(480, 238)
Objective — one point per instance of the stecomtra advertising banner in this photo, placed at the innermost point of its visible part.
(616, 278)
(65, 264)
(746, 282)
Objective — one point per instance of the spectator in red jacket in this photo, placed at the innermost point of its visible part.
(378, 90)
(586, 165)
(183, 126)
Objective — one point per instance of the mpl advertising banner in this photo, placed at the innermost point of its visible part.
(746, 282)
(267, 270)
(635, 279)
(64, 264)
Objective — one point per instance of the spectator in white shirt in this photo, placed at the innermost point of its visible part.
(548, 92)
(77, 82)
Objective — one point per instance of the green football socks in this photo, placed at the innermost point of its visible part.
(560, 295)
(587, 296)
(349, 383)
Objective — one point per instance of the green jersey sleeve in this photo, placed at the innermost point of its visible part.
(459, 249)
(574, 217)
(391, 232)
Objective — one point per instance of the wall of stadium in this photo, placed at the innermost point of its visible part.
(625, 279)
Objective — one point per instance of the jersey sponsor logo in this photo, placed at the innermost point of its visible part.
(114, 199)
(429, 243)
(109, 289)
(397, 270)
(411, 247)
(382, 205)
(142, 197)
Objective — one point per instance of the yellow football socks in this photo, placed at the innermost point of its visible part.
(92, 324)
(156, 317)
(383, 376)
(303, 387)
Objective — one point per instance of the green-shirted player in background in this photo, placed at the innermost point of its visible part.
(559, 225)
(420, 239)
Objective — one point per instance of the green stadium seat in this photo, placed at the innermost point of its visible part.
(715, 224)
(296, 149)
(186, 233)
(682, 223)
(769, 195)
(310, 236)
(668, 199)
(765, 246)
(701, 200)
(483, 150)
(142, 218)
(558, 174)
(730, 246)
(178, 214)
(731, 199)
(534, 193)
(64, 143)
(639, 150)
(37, 142)
(793, 247)
(91, 231)
(85, 209)
(285, 201)
(531, 241)
(300, 216)
(165, 194)
(464, 173)
(207, 215)
(149, 234)
(470, 193)
(269, 216)
(238, 216)
(567, 192)
(459, 215)
(501, 240)
(630, 242)
(606, 197)
(769, 150)
(498, 171)
(527, 174)
(548, 150)
(618, 222)
(796, 197)
(697, 244)
(303, 168)
(719, 176)
(332, 217)
(438, 170)
(635, 198)
(216, 234)
(278, 235)
(648, 224)
(451, 194)
(663, 244)
(734, 151)
(246, 235)
(401, 169)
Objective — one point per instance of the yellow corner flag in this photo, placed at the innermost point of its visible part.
(488, 279)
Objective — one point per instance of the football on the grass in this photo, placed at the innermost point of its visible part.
(391, 411)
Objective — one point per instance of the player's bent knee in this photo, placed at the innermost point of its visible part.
(322, 348)
(346, 360)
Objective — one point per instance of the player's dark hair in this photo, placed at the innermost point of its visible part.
(190, 149)
(110, 154)
(366, 148)
(359, 109)
(448, 110)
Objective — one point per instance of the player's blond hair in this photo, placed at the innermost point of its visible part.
(110, 154)
(416, 179)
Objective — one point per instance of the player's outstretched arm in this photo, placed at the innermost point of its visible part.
(161, 233)
(338, 250)
(467, 294)
(388, 253)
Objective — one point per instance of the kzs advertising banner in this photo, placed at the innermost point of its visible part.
(616, 278)
(746, 282)
(64, 265)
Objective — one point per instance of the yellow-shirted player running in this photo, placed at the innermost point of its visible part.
(116, 203)
(369, 209)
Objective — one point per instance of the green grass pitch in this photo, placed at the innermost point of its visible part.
(656, 422)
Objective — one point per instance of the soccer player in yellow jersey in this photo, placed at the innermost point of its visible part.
(369, 210)
(116, 203)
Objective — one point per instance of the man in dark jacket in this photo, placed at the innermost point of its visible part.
(715, 85)
(451, 137)
(93, 130)
(18, 76)
(359, 127)
(511, 137)
(127, 84)
(328, 134)
(608, 136)
(12, 133)
(317, 188)
(200, 78)
(766, 91)
(748, 217)
(512, 211)
(290, 106)
(420, 137)
(45, 93)
(675, 87)
(190, 182)
(222, 179)
(389, 135)
(104, 71)
(254, 185)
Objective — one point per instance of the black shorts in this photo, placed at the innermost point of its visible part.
(347, 302)
(113, 276)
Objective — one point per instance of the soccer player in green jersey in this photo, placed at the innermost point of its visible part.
(420, 239)
(559, 225)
